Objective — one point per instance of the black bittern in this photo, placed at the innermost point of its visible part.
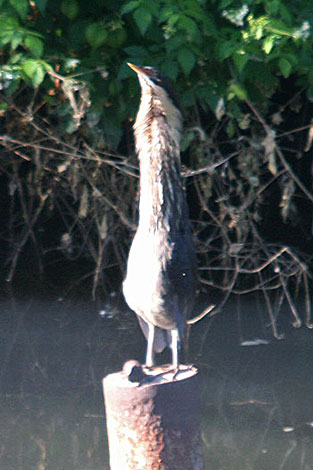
(161, 269)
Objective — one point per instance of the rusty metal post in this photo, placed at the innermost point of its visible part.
(153, 420)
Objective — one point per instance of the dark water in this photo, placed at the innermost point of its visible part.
(257, 401)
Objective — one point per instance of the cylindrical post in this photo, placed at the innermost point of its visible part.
(154, 423)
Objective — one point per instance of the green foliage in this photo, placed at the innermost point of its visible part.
(20, 6)
(34, 70)
(217, 45)
(70, 9)
(34, 45)
(96, 34)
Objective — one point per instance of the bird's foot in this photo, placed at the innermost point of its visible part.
(178, 369)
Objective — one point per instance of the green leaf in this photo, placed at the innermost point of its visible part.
(189, 26)
(21, 6)
(170, 68)
(116, 37)
(29, 67)
(69, 8)
(259, 32)
(165, 14)
(268, 44)
(38, 76)
(285, 67)
(6, 36)
(225, 49)
(35, 71)
(130, 6)
(135, 51)
(35, 45)
(240, 59)
(196, 11)
(186, 59)
(224, 4)
(143, 19)
(237, 90)
(273, 6)
(16, 58)
(172, 20)
(175, 42)
(47, 67)
(96, 34)
(16, 39)
(154, 7)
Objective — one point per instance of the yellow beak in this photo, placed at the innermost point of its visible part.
(135, 68)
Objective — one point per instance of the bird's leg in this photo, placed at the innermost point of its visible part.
(150, 352)
(175, 348)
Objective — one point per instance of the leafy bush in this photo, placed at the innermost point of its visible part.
(214, 50)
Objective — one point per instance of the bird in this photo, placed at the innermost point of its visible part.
(161, 275)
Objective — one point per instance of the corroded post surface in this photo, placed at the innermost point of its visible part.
(154, 424)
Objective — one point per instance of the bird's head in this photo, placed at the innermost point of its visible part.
(152, 80)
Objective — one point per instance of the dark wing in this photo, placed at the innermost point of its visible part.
(182, 270)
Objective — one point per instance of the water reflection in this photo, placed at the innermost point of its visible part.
(256, 391)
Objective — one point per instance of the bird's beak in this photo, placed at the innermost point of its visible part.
(135, 68)
(139, 69)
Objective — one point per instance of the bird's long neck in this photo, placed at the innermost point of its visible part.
(162, 203)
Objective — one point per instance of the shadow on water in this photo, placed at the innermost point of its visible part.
(256, 400)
